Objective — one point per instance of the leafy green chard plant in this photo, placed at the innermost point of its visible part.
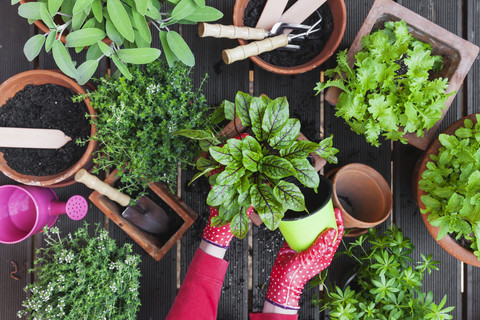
(388, 90)
(387, 284)
(136, 119)
(83, 277)
(86, 23)
(255, 166)
(452, 184)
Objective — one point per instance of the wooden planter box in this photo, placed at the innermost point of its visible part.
(458, 54)
(146, 240)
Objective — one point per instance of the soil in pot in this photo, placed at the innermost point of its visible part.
(47, 106)
(310, 48)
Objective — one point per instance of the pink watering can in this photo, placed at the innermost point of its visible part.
(26, 210)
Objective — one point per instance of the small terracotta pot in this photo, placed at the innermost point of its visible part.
(339, 13)
(9, 88)
(458, 54)
(447, 243)
(363, 196)
(146, 240)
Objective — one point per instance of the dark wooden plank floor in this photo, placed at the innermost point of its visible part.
(244, 289)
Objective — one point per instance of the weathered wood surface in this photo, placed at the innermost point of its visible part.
(395, 163)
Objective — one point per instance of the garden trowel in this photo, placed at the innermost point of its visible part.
(145, 213)
(32, 138)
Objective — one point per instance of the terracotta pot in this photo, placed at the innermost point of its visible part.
(447, 243)
(146, 240)
(339, 13)
(42, 26)
(458, 54)
(8, 89)
(363, 196)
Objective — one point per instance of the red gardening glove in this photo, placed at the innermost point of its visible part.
(292, 270)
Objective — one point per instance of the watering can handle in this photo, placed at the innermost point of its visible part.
(230, 32)
(98, 185)
(254, 48)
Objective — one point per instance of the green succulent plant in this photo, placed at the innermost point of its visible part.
(86, 24)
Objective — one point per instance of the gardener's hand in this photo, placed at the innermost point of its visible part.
(292, 269)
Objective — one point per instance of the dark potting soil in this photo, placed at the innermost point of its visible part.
(47, 106)
(346, 204)
(310, 48)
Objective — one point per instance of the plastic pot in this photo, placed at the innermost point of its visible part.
(363, 196)
(300, 229)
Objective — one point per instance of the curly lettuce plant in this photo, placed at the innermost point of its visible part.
(83, 277)
(388, 91)
(87, 23)
(253, 168)
(452, 184)
(388, 283)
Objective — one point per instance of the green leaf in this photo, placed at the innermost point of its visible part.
(218, 194)
(139, 55)
(299, 149)
(286, 136)
(113, 33)
(81, 5)
(180, 48)
(53, 6)
(230, 175)
(122, 67)
(31, 10)
(250, 143)
(183, 9)
(94, 52)
(97, 9)
(251, 160)
(473, 185)
(242, 103)
(204, 164)
(168, 53)
(47, 18)
(141, 6)
(305, 173)
(222, 155)
(86, 71)
(200, 3)
(204, 14)
(196, 134)
(33, 46)
(49, 41)
(142, 25)
(276, 167)
(105, 48)
(78, 20)
(290, 196)
(120, 19)
(63, 60)
(235, 147)
(256, 112)
(229, 109)
(14, 2)
(267, 206)
(84, 37)
(239, 224)
(276, 116)
(430, 202)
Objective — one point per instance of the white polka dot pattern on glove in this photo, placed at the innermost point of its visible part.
(292, 270)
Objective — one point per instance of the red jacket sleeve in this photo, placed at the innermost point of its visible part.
(200, 291)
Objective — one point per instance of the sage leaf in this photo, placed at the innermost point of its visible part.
(31, 10)
(84, 37)
(47, 17)
(168, 53)
(49, 41)
(105, 48)
(242, 102)
(63, 60)
(276, 167)
(276, 116)
(230, 175)
(120, 19)
(250, 143)
(183, 9)
(256, 112)
(204, 14)
(142, 26)
(266, 205)
(251, 160)
(290, 196)
(53, 6)
(141, 6)
(180, 48)
(81, 5)
(139, 55)
(200, 3)
(122, 67)
(97, 9)
(113, 33)
(222, 155)
(86, 71)
(78, 20)
(286, 136)
(239, 224)
(218, 194)
(94, 52)
(305, 173)
(33, 46)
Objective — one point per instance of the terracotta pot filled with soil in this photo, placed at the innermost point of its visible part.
(180, 217)
(313, 51)
(457, 249)
(363, 196)
(43, 99)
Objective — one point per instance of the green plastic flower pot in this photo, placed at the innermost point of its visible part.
(300, 229)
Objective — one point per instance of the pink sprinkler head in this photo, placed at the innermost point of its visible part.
(76, 207)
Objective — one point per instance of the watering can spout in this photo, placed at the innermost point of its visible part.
(76, 207)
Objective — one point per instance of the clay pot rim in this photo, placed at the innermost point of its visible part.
(328, 50)
(377, 177)
(59, 179)
(447, 243)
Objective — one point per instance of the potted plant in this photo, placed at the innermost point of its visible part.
(386, 285)
(42, 98)
(83, 277)
(136, 121)
(388, 87)
(313, 51)
(255, 165)
(448, 184)
(87, 24)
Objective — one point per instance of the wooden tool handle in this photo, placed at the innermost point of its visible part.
(96, 184)
(230, 32)
(254, 48)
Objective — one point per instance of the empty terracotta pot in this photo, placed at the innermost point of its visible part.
(339, 13)
(8, 89)
(363, 196)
